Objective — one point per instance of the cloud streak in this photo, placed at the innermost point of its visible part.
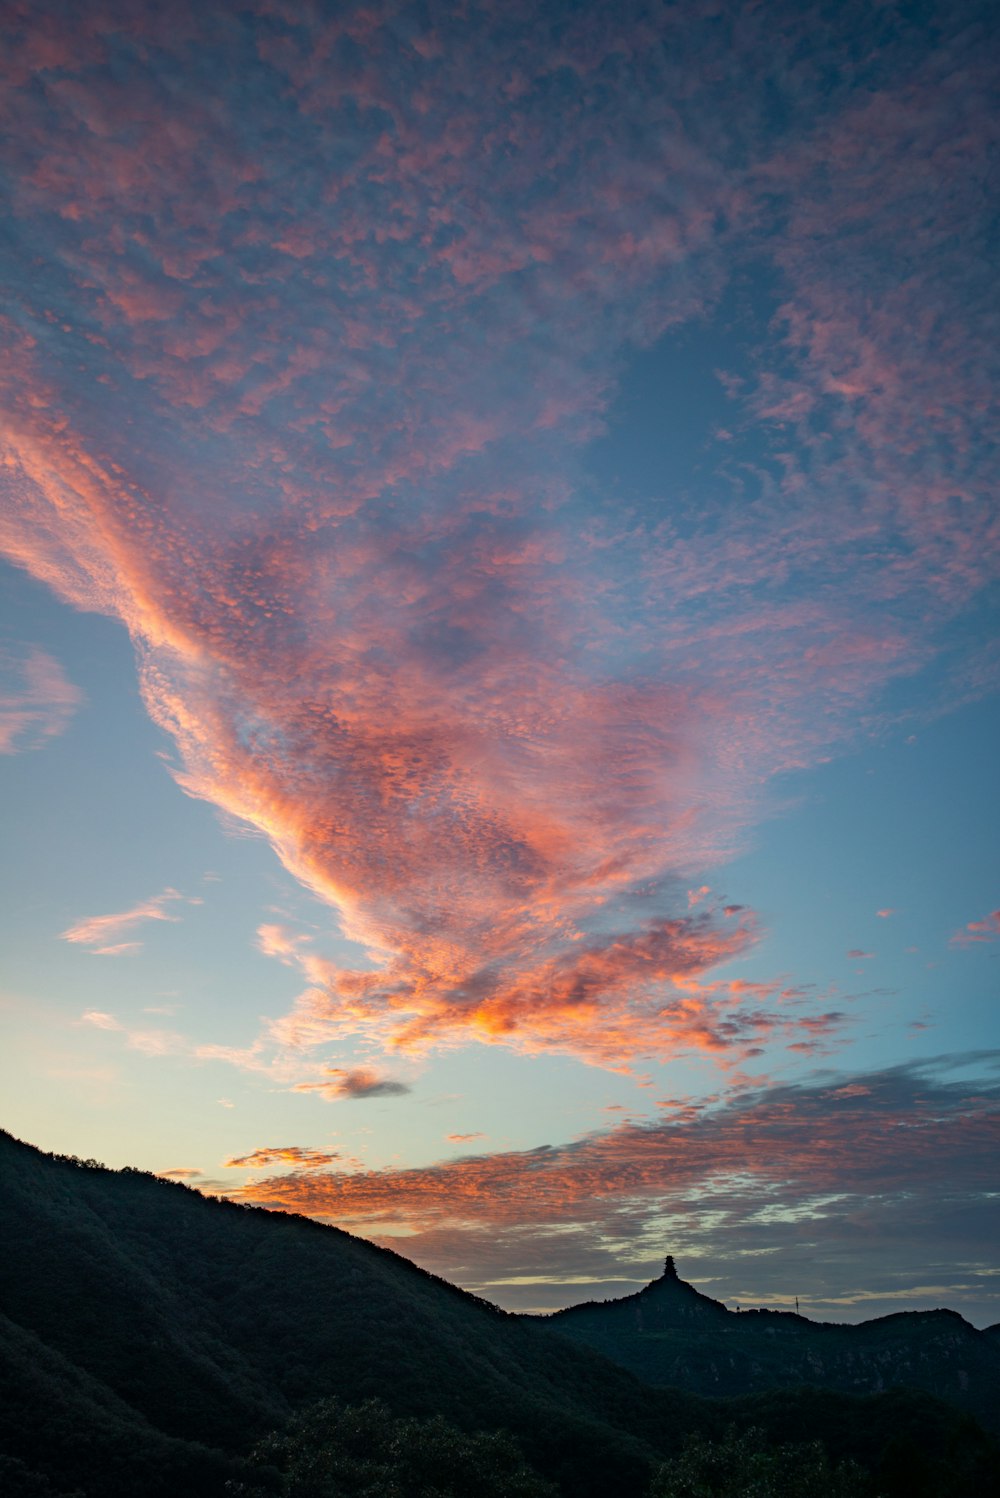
(98, 932)
(306, 396)
(852, 1161)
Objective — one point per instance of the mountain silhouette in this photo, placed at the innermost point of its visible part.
(671, 1334)
(151, 1336)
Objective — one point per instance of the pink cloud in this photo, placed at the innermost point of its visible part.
(988, 929)
(334, 482)
(94, 931)
(37, 700)
(100, 1019)
(825, 1153)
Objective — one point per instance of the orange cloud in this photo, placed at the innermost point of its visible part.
(361, 1082)
(751, 1175)
(285, 1154)
(641, 993)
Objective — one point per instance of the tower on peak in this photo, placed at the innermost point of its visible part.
(669, 1268)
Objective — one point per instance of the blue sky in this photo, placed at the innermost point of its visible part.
(497, 652)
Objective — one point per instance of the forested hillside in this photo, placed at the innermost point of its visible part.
(670, 1334)
(151, 1337)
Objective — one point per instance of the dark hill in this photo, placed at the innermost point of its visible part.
(150, 1336)
(670, 1334)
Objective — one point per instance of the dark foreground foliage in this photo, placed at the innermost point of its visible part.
(742, 1465)
(150, 1337)
(336, 1450)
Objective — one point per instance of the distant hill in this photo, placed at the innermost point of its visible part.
(670, 1334)
(150, 1336)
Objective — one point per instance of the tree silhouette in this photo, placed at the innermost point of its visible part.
(338, 1450)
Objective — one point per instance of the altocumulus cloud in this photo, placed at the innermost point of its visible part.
(391, 631)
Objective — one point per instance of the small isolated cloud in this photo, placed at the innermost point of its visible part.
(856, 952)
(99, 1018)
(988, 929)
(225, 1102)
(180, 1173)
(36, 699)
(884, 915)
(283, 1154)
(97, 932)
(360, 1082)
(462, 1138)
(274, 940)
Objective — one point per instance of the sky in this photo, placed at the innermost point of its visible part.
(498, 630)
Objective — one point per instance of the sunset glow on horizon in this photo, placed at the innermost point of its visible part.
(498, 664)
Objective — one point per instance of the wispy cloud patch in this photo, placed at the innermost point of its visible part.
(98, 932)
(988, 929)
(100, 1019)
(37, 700)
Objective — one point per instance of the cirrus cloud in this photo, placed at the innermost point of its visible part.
(97, 932)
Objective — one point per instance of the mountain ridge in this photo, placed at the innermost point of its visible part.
(670, 1334)
(151, 1335)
